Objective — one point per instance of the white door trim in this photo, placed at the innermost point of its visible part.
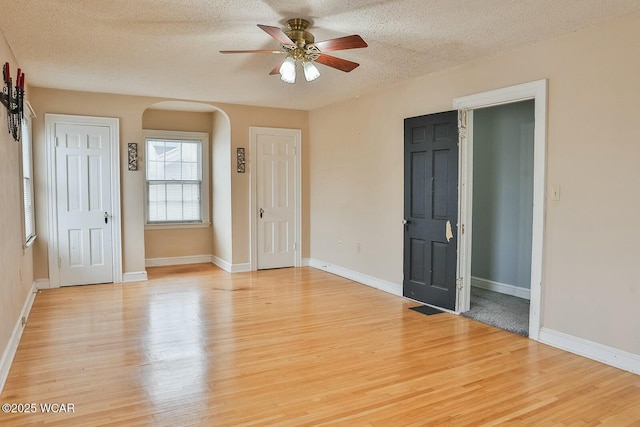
(50, 121)
(253, 209)
(537, 91)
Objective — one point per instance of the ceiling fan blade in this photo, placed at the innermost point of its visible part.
(337, 63)
(276, 70)
(252, 51)
(341, 43)
(277, 34)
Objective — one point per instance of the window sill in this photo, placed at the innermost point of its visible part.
(177, 225)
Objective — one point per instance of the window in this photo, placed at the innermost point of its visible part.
(27, 177)
(176, 178)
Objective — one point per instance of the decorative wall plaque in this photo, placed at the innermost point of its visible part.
(133, 156)
(241, 160)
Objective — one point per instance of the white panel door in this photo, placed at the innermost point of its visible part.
(83, 186)
(275, 197)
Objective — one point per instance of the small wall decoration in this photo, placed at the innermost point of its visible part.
(13, 99)
(241, 160)
(133, 156)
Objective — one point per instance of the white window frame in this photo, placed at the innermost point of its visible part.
(26, 144)
(203, 137)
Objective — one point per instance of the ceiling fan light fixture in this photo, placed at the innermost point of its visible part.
(311, 72)
(299, 45)
(288, 70)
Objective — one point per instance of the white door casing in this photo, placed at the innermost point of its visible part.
(537, 91)
(275, 171)
(84, 200)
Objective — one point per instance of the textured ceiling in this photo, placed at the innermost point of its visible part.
(169, 48)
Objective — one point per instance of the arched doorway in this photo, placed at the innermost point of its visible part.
(211, 239)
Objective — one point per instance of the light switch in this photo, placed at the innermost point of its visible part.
(555, 193)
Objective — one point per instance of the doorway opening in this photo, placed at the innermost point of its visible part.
(502, 217)
(207, 235)
(468, 106)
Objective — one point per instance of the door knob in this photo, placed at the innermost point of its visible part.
(261, 211)
(106, 218)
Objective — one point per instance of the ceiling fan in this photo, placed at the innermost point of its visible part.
(299, 45)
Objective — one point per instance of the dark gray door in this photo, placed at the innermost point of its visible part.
(431, 208)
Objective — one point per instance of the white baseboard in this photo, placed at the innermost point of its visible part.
(12, 346)
(502, 288)
(42, 283)
(228, 267)
(592, 350)
(198, 259)
(219, 262)
(134, 276)
(178, 260)
(244, 267)
(241, 268)
(374, 282)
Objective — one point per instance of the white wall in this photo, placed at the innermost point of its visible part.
(221, 160)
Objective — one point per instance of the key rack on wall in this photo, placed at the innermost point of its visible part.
(13, 99)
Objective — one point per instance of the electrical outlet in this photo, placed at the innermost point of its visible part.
(340, 243)
(555, 193)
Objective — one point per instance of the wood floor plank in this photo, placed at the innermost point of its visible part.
(195, 345)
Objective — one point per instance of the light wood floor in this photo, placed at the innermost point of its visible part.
(197, 346)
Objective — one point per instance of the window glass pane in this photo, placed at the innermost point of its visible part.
(27, 182)
(174, 192)
(172, 150)
(190, 171)
(156, 196)
(155, 170)
(191, 202)
(156, 192)
(190, 152)
(26, 150)
(155, 150)
(173, 171)
(28, 208)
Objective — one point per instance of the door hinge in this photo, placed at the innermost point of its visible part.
(462, 118)
(462, 229)
(459, 283)
(295, 246)
(59, 263)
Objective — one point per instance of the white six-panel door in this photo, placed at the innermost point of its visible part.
(275, 160)
(84, 211)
